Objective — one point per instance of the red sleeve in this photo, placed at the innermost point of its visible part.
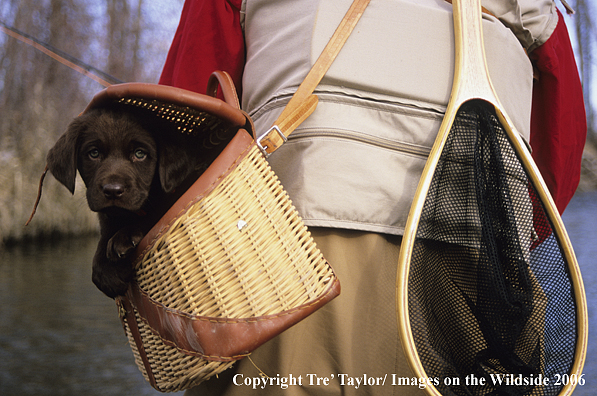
(558, 119)
(209, 37)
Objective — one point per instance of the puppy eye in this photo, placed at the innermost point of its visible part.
(140, 154)
(93, 153)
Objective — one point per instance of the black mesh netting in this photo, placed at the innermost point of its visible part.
(489, 290)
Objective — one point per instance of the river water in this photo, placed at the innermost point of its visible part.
(60, 336)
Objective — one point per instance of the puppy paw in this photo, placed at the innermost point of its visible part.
(123, 244)
(112, 278)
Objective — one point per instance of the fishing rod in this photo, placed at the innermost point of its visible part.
(61, 56)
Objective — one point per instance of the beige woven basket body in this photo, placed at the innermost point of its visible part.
(230, 265)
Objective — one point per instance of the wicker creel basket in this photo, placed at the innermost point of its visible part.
(231, 264)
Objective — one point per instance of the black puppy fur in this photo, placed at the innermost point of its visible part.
(131, 169)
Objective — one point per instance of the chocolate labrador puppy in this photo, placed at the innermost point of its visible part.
(130, 168)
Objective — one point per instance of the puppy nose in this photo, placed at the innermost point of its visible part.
(113, 190)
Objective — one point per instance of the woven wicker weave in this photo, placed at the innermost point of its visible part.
(251, 246)
(240, 252)
(232, 251)
(172, 370)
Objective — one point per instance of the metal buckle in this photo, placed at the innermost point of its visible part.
(263, 149)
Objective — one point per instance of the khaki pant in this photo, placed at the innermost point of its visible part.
(349, 347)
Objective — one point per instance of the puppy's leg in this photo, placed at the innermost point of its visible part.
(124, 243)
(112, 277)
(112, 267)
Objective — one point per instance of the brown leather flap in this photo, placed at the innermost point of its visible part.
(219, 339)
(172, 95)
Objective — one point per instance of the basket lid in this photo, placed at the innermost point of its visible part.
(179, 106)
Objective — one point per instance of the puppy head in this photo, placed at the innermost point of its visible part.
(117, 157)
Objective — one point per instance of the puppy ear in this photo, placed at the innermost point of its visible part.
(62, 158)
(174, 165)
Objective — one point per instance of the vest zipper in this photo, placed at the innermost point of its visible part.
(366, 139)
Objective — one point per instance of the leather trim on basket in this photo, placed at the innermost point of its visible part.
(219, 339)
(226, 162)
(129, 315)
(167, 94)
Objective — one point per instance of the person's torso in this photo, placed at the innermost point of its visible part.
(356, 161)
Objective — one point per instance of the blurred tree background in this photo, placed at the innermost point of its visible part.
(129, 40)
(39, 96)
(586, 36)
(582, 28)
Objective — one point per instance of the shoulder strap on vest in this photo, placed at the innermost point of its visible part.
(303, 102)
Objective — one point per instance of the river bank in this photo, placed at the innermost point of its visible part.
(62, 214)
(58, 215)
(588, 176)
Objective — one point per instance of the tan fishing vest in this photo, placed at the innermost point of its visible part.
(356, 161)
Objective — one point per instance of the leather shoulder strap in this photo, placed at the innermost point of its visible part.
(303, 102)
